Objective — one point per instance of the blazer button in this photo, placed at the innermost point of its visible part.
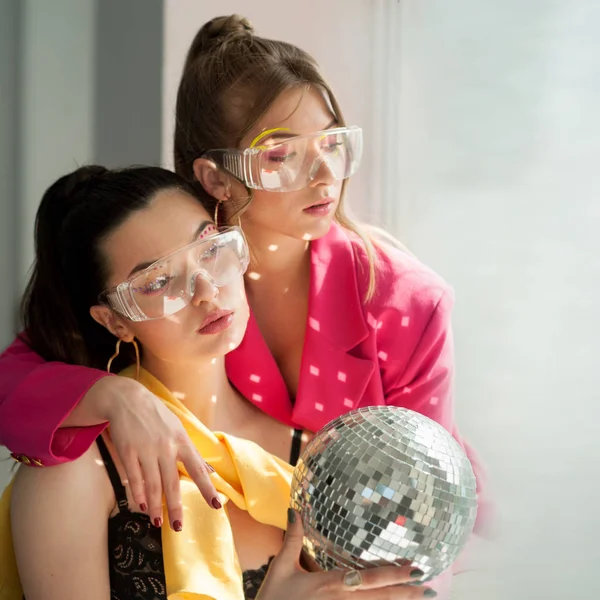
(30, 462)
(17, 457)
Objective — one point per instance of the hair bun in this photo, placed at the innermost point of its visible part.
(80, 180)
(219, 29)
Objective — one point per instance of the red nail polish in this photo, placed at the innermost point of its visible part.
(216, 504)
(143, 507)
(177, 525)
(157, 522)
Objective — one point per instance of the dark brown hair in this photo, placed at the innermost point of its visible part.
(230, 79)
(76, 214)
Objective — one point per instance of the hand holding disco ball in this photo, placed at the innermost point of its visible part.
(285, 581)
(384, 486)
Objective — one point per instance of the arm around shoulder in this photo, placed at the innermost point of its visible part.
(40, 412)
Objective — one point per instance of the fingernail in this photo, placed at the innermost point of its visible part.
(352, 578)
(429, 593)
(157, 522)
(177, 525)
(210, 467)
(417, 573)
(143, 507)
(291, 515)
(216, 504)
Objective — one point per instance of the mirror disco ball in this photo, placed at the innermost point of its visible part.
(384, 485)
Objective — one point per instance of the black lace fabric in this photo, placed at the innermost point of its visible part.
(136, 563)
(135, 558)
(253, 580)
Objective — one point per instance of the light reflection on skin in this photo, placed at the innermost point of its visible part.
(173, 318)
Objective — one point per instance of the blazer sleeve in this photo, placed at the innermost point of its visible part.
(425, 384)
(35, 398)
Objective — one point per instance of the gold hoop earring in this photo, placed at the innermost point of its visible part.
(137, 357)
(216, 217)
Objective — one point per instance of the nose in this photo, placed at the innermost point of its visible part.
(321, 172)
(202, 289)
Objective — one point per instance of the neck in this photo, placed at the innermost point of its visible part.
(202, 386)
(276, 257)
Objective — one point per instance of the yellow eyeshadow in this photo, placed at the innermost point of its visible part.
(266, 133)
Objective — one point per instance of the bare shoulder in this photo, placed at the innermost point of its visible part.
(59, 521)
(49, 488)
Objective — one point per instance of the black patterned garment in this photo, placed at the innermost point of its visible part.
(253, 580)
(135, 559)
(135, 546)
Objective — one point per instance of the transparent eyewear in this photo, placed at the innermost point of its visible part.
(168, 285)
(291, 164)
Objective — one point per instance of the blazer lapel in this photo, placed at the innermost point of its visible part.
(332, 381)
(254, 372)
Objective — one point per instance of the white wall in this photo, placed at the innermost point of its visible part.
(57, 102)
(499, 141)
(46, 108)
(9, 45)
(128, 72)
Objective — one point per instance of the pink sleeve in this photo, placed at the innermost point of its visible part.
(35, 398)
(426, 386)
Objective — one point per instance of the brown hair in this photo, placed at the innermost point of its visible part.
(231, 77)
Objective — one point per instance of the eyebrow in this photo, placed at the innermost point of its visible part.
(145, 265)
(290, 134)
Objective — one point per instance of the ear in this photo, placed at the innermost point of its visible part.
(114, 323)
(212, 179)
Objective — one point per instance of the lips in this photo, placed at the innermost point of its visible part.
(322, 202)
(216, 321)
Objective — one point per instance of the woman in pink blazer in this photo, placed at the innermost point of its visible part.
(338, 320)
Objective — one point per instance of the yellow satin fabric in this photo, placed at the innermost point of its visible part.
(200, 561)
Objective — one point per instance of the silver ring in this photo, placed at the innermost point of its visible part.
(352, 578)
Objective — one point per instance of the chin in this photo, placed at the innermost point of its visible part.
(315, 229)
(218, 346)
(232, 337)
(234, 340)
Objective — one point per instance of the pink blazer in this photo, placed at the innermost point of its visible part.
(396, 349)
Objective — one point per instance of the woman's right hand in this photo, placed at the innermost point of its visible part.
(287, 580)
(149, 440)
